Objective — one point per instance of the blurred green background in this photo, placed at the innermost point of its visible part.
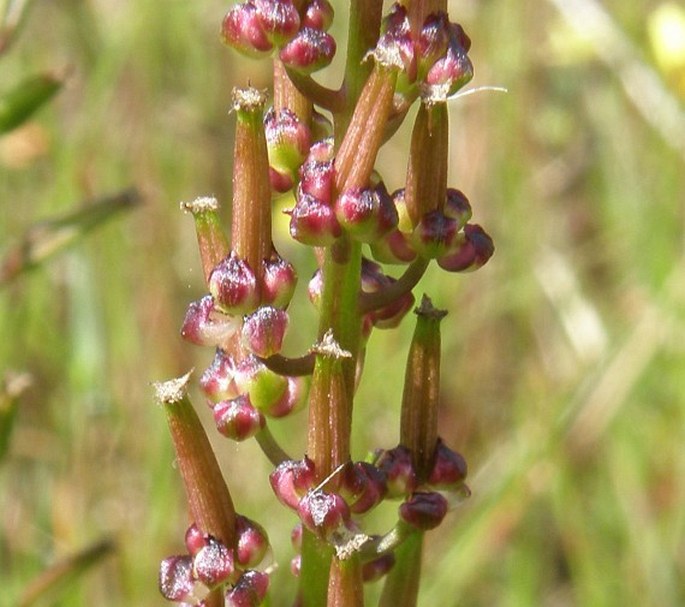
(564, 358)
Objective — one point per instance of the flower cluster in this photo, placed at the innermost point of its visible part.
(342, 209)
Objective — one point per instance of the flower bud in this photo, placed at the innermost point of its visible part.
(252, 543)
(362, 486)
(449, 468)
(471, 251)
(194, 539)
(217, 380)
(452, 71)
(213, 564)
(317, 173)
(291, 480)
(395, 46)
(237, 419)
(432, 42)
(242, 29)
(424, 510)
(393, 248)
(325, 514)
(310, 50)
(204, 325)
(278, 281)
(368, 213)
(434, 234)
(234, 286)
(457, 207)
(376, 569)
(396, 465)
(279, 19)
(288, 140)
(263, 331)
(293, 399)
(264, 387)
(249, 591)
(176, 581)
(318, 15)
(313, 222)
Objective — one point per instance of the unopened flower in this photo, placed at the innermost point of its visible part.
(291, 480)
(424, 510)
(237, 418)
(396, 465)
(217, 380)
(213, 563)
(318, 14)
(325, 514)
(288, 140)
(263, 331)
(176, 582)
(249, 591)
(471, 250)
(278, 281)
(252, 542)
(204, 325)
(309, 51)
(234, 286)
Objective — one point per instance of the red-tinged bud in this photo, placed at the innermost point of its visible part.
(242, 30)
(237, 418)
(313, 222)
(264, 387)
(449, 468)
(249, 591)
(457, 207)
(317, 174)
(278, 281)
(395, 46)
(434, 234)
(213, 564)
(263, 331)
(390, 316)
(204, 325)
(309, 51)
(176, 582)
(376, 569)
(325, 514)
(296, 565)
(449, 73)
(318, 15)
(194, 539)
(424, 510)
(362, 486)
(296, 536)
(400, 476)
(293, 399)
(280, 182)
(217, 380)
(252, 544)
(315, 288)
(291, 480)
(394, 248)
(234, 286)
(288, 140)
(279, 19)
(470, 252)
(368, 213)
(432, 43)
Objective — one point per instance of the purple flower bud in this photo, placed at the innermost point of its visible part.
(252, 543)
(293, 399)
(280, 182)
(457, 207)
(325, 514)
(313, 222)
(296, 536)
(434, 234)
(279, 19)
(367, 214)
(433, 40)
(291, 480)
(318, 15)
(424, 510)
(213, 564)
(310, 50)
(237, 419)
(395, 46)
(217, 380)
(452, 71)
(449, 468)
(263, 331)
(194, 539)
(317, 174)
(264, 387)
(376, 569)
(204, 325)
(249, 591)
(362, 486)
(234, 286)
(279, 280)
(176, 581)
(396, 465)
(469, 252)
(288, 140)
(242, 29)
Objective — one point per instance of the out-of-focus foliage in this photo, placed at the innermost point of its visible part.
(564, 365)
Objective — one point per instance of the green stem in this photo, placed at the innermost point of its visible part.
(402, 584)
